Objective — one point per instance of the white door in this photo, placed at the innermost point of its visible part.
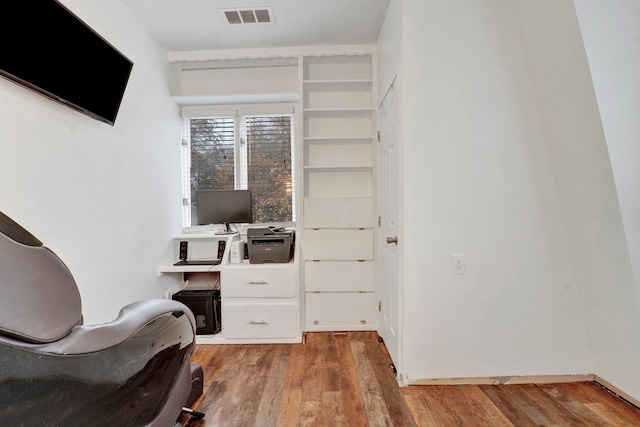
(389, 315)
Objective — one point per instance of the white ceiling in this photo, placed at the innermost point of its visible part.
(186, 25)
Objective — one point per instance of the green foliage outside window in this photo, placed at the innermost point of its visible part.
(258, 159)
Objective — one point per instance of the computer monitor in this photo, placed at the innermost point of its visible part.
(224, 207)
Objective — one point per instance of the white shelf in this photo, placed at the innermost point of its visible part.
(330, 85)
(337, 153)
(338, 112)
(340, 168)
(338, 140)
(189, 268)
(338, 67)
(338, 124)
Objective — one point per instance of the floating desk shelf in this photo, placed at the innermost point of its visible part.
(189, 268)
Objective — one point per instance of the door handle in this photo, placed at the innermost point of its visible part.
(393, 240)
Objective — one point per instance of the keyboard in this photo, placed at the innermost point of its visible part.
(198, 262)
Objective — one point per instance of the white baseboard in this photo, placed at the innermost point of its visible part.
(615, 390)
(526, 379)
(529, 379)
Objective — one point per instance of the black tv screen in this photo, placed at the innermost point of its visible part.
(223, 207)
(46, 48)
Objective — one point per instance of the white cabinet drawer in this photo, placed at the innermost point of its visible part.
(338, 244)
(341, 309)
(259, 282)
(338, 212)
(339, 276)
(244, 320)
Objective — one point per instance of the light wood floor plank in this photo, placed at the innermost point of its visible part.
(351, 393)
(381, 363)
(375, 407)
(608, 414)
(594, 393)
(269, 406)
(509, 407)
(289, 413)
(311, 405)
(537, 413)
(558, 413)
(419, 409)
(582, 414)
(481, 407)
(333, 409)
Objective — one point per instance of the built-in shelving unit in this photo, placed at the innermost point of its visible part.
(338, 191)
(330, 285)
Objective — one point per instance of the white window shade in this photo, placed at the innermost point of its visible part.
(218, 111)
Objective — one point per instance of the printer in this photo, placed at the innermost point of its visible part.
(270, 245)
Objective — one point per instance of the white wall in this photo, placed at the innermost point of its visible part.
(505, 160)
(479, 181)
(611, 33)
(389, 48)
(240, 81)
(105, 199)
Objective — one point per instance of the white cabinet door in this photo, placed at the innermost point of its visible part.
(341, 309)
(338, 212)
(339, 276)
(336, 244)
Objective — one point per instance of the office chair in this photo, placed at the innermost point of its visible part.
(56, 371)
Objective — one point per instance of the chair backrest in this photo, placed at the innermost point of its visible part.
(39, 300)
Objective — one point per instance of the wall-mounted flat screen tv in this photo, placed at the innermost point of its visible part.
(47, 48)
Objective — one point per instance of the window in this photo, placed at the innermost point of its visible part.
(231, 150)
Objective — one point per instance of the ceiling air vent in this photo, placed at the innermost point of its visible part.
(261, 15)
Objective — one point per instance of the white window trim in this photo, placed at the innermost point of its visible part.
(202, 111)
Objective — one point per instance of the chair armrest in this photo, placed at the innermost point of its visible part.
(91, 338)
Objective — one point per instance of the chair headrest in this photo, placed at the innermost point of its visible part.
(40, 301)
(13, 230)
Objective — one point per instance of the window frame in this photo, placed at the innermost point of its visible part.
(235, 112)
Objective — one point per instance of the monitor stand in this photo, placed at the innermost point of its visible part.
(227, 231)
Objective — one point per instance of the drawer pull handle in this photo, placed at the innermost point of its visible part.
(258, 282)
(261, 322)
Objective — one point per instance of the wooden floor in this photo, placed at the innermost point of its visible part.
(345, 379)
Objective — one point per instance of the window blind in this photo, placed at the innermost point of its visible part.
(241, 151)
